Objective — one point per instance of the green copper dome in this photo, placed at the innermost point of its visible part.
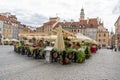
(111, 31)
(82, 11)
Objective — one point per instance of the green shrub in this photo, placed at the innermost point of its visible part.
(69, 50)
(31, 49)
(80, 57)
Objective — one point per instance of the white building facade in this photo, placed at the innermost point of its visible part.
(92, 33)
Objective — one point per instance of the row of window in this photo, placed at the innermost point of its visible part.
(7, 36)
(77, 31)
(7, 30)
(102, 35)
(73, 26)
(103, 45)
(91, 30)
(102, 40)
(101, 30)
(47, 30)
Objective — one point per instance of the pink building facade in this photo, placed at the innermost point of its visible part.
(117, 32)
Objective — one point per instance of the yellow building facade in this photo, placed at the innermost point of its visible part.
(7, 31)
(117, 33)
(102, 36)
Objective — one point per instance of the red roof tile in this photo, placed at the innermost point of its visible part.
(93, 21)
(90, 23)
(54, 18)
(83, 22)
(49, 23)
(3, 18)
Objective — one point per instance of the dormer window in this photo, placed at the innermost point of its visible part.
(83, 26)
(80, 26)
(73, 26)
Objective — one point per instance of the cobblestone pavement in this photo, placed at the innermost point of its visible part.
(104, 65)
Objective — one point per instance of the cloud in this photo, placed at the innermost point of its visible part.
(27, 17)
(36, 12)
(33, 19)
(116, 9)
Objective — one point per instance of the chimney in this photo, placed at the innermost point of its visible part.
(98, 20)
(87, 20)
(54, 19)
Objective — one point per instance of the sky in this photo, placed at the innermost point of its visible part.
(36, 12)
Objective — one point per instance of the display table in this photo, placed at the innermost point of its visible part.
(47, 55)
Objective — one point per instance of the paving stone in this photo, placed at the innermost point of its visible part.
(104, 65)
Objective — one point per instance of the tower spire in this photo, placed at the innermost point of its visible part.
(112, 31)
(82, 14)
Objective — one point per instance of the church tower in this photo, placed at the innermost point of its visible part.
(82, 15)
(111, 31)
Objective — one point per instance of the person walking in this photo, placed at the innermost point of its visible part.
(115, 49)
(112, 47)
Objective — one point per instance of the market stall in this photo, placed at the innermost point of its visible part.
(60, 46)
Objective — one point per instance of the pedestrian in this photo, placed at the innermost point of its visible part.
(112, 47)
(63, 57)
(119, 48)
(115, 49)
(74, 56)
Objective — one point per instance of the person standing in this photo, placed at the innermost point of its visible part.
(63, 57)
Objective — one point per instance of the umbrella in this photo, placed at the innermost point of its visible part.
(7, 40)
(53, 37)
(94, 42)
(39, 37)
(59, 43)
(29, 37)
(45, 37)
(14, 40)
(82, 37)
